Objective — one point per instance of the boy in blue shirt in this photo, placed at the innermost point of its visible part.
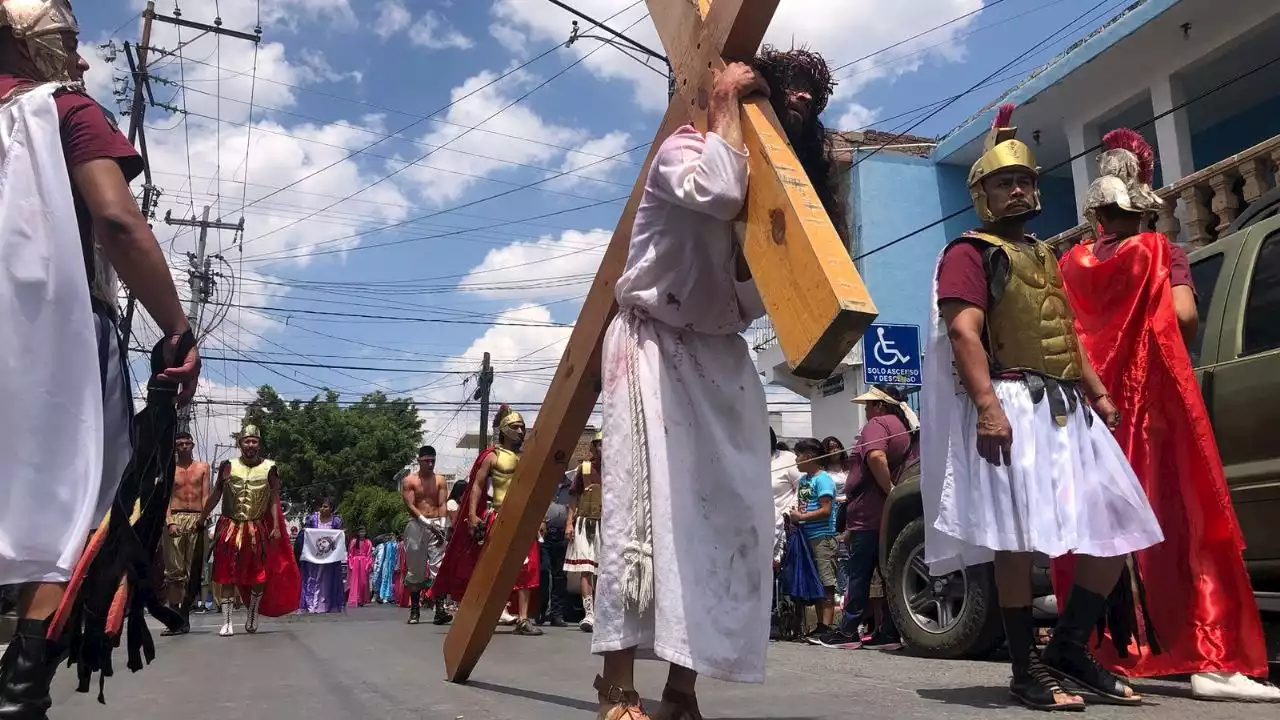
(814, 513)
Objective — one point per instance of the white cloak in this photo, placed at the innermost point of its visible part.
(61, 461)
(682, 395)
(1068, 490)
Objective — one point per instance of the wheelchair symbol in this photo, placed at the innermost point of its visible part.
(885, 352)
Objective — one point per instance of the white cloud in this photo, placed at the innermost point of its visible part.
(488, 154)
(546, 269)
(432, 31)
(393, 17)
(855, 117)
(524, 359)
(858, 28)
(435, 33)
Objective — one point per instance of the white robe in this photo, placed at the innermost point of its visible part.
(61, 461)
(701, 427)
(1068, 490)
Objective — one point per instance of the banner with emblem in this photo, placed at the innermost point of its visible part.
(324, 547)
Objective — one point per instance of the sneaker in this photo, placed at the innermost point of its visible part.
(882, 642)
(588, 623)
(817, 632)
(838, 640)
(441, 617)
(507, 618)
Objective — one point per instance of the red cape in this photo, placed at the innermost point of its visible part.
(284, 579)
(462, 552)
(1197, 596)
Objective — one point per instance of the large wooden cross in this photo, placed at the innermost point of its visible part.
(819, 305)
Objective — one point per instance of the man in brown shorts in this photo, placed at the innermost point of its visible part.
(183, 536)
(426, 494)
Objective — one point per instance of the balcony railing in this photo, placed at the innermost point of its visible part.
(761, 335)
(1208, 200)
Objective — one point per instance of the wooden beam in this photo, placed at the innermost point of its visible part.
(564, 414)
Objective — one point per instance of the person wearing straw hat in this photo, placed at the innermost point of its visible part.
(887, 445)
(1018, 455)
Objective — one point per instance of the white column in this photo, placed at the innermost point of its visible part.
(1084, 169)
(1173, 131)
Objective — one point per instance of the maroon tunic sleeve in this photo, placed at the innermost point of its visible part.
(88, 134)
(962, 276)
(1180, 267)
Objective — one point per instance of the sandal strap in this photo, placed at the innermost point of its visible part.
(615, 694)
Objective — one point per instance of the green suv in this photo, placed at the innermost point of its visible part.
(1237, 359)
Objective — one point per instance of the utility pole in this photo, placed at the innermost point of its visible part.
(137, 111)
(482, 394)
(200, 277)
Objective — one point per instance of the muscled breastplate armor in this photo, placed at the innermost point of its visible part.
(501, 473)
(1029, 326)
(591, 501)
(247, 491)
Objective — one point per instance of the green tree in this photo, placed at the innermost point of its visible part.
(377, 509)
(325, 449)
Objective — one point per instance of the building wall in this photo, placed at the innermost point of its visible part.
(1240, 132)
(893, 195)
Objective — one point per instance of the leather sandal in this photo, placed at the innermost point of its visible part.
(617, 703)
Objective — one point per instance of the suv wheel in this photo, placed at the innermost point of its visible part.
(946, 617)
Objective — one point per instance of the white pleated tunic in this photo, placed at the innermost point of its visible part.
(61, 460)
(702, 424)
(1069, 489)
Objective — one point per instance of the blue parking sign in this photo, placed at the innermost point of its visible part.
(891, 355)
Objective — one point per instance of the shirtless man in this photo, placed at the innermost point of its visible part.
(426, 494)
(190, 493)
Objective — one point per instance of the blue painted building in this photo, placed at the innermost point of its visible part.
(1191, 75)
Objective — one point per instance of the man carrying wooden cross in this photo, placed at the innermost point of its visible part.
(687, 531)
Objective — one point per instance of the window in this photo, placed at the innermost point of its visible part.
(1204, 273)
(1262, 312)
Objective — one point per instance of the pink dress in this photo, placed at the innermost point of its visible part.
(360, 565)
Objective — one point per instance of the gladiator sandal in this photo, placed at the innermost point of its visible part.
(251, 623)
(524, 627)
(1033, 686)
(1068, 658)
(228, 607)
(677, 705)
(26, 672)
(616, 703)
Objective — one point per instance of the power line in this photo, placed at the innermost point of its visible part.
(446, 107)
(323, 366)
(384, 108)
(1082, 153)
(397, 171)
(978, 84)
(263, 308)
(917, 36)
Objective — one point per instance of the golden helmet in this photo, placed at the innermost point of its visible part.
(1001, 151)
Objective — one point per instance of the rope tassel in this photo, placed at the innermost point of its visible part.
(638, 582)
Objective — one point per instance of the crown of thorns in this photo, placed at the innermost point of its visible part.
(782, 69)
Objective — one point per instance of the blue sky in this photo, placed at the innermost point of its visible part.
(334, 77)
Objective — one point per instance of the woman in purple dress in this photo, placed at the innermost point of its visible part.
(322, 590)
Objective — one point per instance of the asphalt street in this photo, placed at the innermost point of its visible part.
(369, 664)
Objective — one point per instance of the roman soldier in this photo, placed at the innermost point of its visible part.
(1193, 611)
(1018, 456)
(253, 558)
(583, 528)
(490, 480)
